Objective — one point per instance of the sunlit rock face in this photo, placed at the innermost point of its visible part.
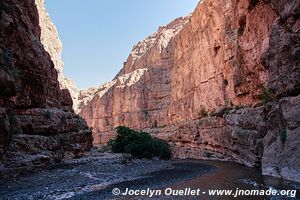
(37, 125)
(52, 44)
(140, 93)
(214, 62)
(209, 59)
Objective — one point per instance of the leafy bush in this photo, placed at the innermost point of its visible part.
(282, 136)
(139, 144)
(266, 95)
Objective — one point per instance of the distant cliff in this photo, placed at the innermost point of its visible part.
(220, 84)
(52, 44)
(37, 125)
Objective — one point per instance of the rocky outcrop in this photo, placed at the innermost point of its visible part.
(281, 144)
(282, 58)
(233, 136)
(282, 52)
(37, 125)
(226, 55)
(52, 44)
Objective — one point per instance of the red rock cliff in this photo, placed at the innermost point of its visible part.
(37, 125)
(222, 61)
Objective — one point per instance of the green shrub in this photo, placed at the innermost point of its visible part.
(237, 107)
(266, 95)
(228, 103)
(139, 144)
(47, 114)
(202, 112)
(282, 135)
(226, 112)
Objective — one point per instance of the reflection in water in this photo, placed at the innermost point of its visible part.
(203, 175)
(232, 176)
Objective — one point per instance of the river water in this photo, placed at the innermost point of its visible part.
(97, 178)
(203, 175)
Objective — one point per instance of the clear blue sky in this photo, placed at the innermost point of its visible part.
(98, 35)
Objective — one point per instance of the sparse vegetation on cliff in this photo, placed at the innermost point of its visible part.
(266, 95)
(283, 136)
(221, 112)
(202, 112)
(139, 144)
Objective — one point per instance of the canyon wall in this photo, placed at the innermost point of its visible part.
(37, 123)
(220, 84)
(202, 62)
(52, 44)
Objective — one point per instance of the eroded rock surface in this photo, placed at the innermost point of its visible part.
(52, 44)
(226, 55)
(37, 125)
(208, 60)
(281, 144)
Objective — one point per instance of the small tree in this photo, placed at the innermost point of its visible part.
(139, 144)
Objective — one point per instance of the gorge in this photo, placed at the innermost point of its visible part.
(220, 84)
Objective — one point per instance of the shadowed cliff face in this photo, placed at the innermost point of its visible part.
(52, 44)
(216, 61)
(37, 125)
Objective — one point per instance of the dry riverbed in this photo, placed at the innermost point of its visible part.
(97, 174)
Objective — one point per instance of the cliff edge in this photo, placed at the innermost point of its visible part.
(37, 124)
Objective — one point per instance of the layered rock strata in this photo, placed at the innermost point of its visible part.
(37, 124)
(225, 60)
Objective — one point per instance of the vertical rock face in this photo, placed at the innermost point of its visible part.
(215, 62)
(281, 144)
(208, 60)
(52, 44)
(37, 125)
(140, 93)
(281, 56)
